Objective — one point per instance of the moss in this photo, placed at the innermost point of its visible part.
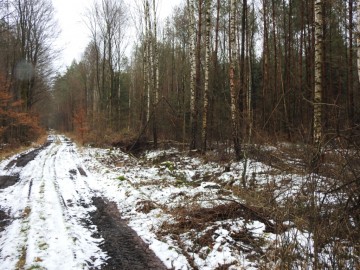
(169, 165)
(121, 178)
(43, 246)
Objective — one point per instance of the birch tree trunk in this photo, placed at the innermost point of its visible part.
(317, 129)
(147, 61)
(317, 132)
(233, 94)
(193, 120)
(207, 68)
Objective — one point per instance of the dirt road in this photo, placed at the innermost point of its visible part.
(51, 219)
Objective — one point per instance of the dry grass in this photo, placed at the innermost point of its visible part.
(10, 150)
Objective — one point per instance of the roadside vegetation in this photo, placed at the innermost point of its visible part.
(286, 217)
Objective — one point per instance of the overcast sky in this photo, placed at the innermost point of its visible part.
(74, 35)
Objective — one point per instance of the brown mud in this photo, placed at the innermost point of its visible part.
(127, 251)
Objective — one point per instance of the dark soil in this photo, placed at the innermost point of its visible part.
(24, 159)
(81, 171)
(126, 249)
(8, 180)
(21, 161)
(4, 220)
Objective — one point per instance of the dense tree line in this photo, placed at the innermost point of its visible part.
(27, 30)
(218, 70)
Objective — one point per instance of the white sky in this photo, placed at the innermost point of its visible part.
(74, 35)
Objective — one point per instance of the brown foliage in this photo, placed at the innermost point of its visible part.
(81, 123)
(16, 126)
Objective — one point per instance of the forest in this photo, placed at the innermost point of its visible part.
(231, 76)
(212, 72)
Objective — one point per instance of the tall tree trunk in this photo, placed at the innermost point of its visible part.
(233, 94)
(193, 114)
(265, 67)
(317, 132)
(146, 64)
(198, 76)
(249, 101)
(215, 82)
(350, 66)
(156, 78)
(150, 61)
(358, 39)
(242, 90)
(317, 128)
(286, 85)
(207, 68)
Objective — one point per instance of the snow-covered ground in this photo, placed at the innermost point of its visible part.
(45, 232)
(180, 205)
(150, 191)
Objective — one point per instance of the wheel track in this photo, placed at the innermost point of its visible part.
(35, 217)
(55, 205)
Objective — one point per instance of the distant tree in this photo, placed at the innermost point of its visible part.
(35, 30)
(106, 21)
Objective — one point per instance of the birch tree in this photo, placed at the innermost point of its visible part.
(207, 69)
(193, 114)
(317, 132)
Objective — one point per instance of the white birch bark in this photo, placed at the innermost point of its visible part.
(317, 133)
(207, 69)
(191, 11)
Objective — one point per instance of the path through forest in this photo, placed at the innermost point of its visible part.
(51, 219)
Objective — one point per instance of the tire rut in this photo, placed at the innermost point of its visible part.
(20, 161)
(125, 248)
(24, 159)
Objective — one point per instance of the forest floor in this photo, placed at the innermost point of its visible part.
(69, 207)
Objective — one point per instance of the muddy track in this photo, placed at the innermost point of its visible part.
(4, 220)
(24, 159)
(124, 246)
(21, 161)
(56, 200)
